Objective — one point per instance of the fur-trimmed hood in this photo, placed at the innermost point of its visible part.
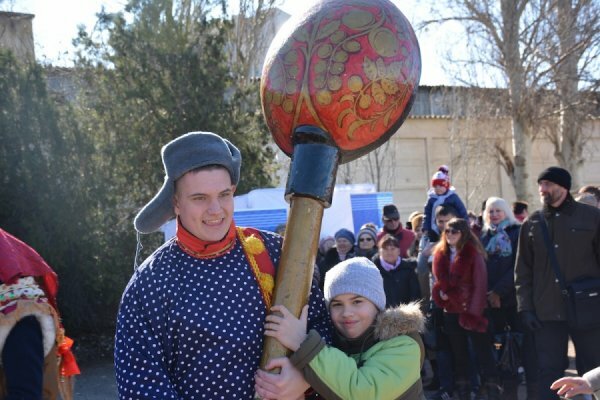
(401, 320)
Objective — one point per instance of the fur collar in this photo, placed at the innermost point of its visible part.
(401, 320)
(452, 273)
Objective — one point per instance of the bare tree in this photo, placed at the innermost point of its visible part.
(573, 51)
(376, 167)
(533, 46)
(477, 129)
(254, 27)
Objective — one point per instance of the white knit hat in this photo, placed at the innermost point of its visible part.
(356, 275)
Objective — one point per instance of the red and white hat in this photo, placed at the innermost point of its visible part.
(441, 177)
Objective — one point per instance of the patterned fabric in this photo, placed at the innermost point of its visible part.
(23, 288)
(499, 240)
(191, 328)
(20, 260)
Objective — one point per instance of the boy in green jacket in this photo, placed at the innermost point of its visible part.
(377, 353)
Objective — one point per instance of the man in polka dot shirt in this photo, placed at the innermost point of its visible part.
(191, 320)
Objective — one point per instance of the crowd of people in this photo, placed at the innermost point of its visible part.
(487, 301)
(451, 287)
(479, 277)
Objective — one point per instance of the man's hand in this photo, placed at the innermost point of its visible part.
(530, 320)
(289, 384)
(287, 329)
(493, 299)
(571, 386)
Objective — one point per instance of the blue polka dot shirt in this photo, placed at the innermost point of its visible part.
(192, 328)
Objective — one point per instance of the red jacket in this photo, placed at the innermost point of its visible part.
(405, 237)
(464, 281)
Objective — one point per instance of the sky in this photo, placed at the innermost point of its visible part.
(56, 24)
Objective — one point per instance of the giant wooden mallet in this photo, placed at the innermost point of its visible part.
(338, 81)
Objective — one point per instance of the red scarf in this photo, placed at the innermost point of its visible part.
(256, 253)
(202, 249)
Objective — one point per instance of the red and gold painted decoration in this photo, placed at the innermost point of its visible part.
(349, 67)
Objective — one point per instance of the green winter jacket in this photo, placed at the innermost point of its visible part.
(387, 368)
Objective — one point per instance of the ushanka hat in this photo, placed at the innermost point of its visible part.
(183, 154)
(356, 275)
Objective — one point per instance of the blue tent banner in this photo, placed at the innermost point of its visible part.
(266, 219)
(368, 207)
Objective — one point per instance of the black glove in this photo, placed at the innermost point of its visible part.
(530, 320)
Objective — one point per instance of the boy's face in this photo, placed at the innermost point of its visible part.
(442, 220)
(204, 203)
(352, 314)
(439, 189)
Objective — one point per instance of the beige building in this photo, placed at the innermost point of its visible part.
(458, 127)
(435, 134)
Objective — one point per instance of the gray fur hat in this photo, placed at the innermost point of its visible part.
(356, 275)
(181, 155)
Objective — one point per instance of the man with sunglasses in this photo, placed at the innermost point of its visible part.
(393, 226)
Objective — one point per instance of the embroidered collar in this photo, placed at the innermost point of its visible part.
(202, 249)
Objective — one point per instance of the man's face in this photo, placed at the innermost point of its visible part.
(550, 193)
(204, 203)
(442, 220)
(391, 224)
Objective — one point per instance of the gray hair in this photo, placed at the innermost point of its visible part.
(501, 204)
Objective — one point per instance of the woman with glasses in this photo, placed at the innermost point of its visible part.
(499, 237)
(460, 289)
(366, 242)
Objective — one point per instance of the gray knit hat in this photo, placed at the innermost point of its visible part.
(356, 275)
(367, 230)
(181, 155)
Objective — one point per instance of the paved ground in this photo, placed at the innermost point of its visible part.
(97, 380)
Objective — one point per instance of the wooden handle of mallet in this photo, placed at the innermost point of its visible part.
(337, 82)
(309, 190)
(295, 271)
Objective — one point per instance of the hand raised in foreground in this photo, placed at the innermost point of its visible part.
(286, 328)
(289, 384)
(571, 386)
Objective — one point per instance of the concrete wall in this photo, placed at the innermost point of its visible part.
(16, 35)
(467, 147)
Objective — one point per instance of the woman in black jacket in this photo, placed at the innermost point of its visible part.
(500, 237)
(399, 277)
